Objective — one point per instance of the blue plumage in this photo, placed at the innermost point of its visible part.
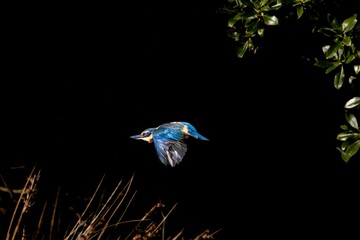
(168, 140)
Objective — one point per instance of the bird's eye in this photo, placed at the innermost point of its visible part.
(144, 134)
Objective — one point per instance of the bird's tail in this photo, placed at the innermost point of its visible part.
(193, 132)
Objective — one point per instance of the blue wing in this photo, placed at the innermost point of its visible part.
(170, 152)
(169, 131)
(168, 141)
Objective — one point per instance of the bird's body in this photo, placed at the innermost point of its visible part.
(168, 140)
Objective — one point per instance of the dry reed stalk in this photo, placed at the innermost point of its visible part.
(91, 225)
(26, 197)
(96, 224)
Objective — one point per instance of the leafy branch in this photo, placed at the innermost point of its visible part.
(248, 20)
(343, 57)
(350, 136)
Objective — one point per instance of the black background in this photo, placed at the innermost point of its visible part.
(79, 80)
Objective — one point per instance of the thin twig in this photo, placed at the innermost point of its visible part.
(54, 213)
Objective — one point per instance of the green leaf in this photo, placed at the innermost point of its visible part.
(355, 101)
(323, 64)
(345, 157)
(270, 20)
(344, 136)
(350, 58)
(357, 69)
(334, 22)
(339, 78)
(344, 127)
(299, 11)
(353, 148)
(239, 16)
(235, 36)
(263, 2)
(340, 51)
(351, 119)
(247, 15)
(294, 2)
(244, 2)
(349, 23)
(241, 50)
(325, 48)
(261, 32)
(347, 41)
(331, 52)
(232, 21)
(277, 6)
(345, 144)
(334, 65)
(327, 31)
(252, 26)
(255, 3)
(351, 79)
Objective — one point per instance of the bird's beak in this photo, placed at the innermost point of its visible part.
(137, 137)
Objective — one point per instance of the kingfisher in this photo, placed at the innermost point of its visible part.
(168, 139)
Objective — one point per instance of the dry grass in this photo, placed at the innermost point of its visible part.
(102, 218)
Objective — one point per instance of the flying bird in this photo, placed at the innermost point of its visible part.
(168, 139)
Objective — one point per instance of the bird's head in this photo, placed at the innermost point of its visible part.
(146, 135)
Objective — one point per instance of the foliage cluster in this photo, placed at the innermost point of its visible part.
(249, 20)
